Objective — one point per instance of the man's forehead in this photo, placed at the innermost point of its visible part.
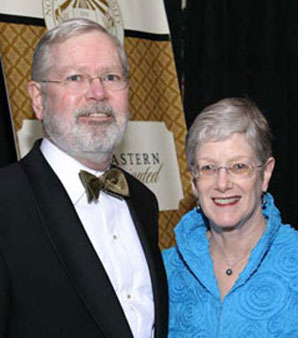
(71, 52)
(101, 37)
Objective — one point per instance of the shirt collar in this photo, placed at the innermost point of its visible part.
(67, 169)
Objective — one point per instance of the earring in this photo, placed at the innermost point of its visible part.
(198, 207)
(264, 200)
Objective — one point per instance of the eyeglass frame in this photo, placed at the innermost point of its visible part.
(216, 169)
(89, 79)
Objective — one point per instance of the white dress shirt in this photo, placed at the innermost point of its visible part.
(111, 230)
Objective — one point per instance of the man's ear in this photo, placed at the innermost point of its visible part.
(35, 93)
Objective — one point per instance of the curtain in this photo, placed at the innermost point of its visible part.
(249, 48)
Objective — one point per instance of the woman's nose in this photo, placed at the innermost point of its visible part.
(223, 179)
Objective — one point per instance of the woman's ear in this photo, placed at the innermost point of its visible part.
(194, 185)
(35, 94)
(269, 166)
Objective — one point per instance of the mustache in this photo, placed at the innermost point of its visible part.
(99, 108)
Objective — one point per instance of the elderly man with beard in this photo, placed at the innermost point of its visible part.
(79, 252)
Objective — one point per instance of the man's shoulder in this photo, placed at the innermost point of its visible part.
(10, 171)
(13, 174)
(14, 186)
(140, 195)
(136, 184)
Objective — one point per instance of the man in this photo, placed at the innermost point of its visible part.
(75, 264)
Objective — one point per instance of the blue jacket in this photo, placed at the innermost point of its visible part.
(263, 302)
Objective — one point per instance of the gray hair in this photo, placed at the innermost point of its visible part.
(220, 120)
(43, 58)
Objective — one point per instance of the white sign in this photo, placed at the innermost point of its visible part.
(30, 132)
(147, 152)
(139, 15)
(105, 12)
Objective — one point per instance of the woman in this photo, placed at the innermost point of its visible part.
(234, 270)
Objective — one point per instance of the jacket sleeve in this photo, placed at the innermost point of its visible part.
(4, 298)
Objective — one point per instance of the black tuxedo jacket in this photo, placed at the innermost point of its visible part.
(52, 283)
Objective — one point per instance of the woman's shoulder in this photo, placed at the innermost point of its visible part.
(282, 259)
(168, 254)
(285, 240)
(287, 233)
(172, 260)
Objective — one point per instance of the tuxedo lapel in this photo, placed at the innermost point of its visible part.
(73, 248)
(142, 205)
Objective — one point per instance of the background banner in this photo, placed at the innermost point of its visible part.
(154, 90)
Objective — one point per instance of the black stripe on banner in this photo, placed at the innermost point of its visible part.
(8, 152)
(22, 20)
(147, 36)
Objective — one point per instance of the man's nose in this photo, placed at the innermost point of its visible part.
(96, 89)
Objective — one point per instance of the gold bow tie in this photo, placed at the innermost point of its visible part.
(112, 182)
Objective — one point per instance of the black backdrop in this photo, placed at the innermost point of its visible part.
(228, 48)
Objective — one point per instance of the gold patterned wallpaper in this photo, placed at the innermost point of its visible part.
(154, 95)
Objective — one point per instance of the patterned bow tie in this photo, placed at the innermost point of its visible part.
(113, 182)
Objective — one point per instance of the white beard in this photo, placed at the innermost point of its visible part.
(94, 141)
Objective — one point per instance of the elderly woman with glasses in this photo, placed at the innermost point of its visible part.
(234, 270)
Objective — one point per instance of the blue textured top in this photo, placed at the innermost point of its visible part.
(262, 303)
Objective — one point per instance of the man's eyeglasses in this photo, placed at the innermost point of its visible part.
(237, 170)
(79, 82)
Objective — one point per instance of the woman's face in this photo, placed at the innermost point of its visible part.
(228, 200)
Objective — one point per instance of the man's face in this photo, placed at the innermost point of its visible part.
(87, 123)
